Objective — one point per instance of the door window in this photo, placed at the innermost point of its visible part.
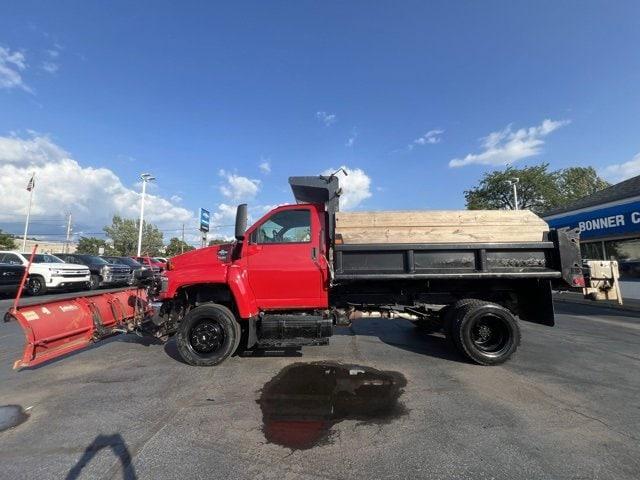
(288, 226)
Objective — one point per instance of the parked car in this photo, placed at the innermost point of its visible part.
(103, 273)
(134, 265)
(161, 259)
(48, 272)
(10, 278)
(153, 263)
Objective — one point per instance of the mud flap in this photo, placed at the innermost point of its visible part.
(56, 328)
(535, 303)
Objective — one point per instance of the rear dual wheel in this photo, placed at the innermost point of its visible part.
(208, 335)
(484, 332)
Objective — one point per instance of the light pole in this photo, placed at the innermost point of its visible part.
(514, 183)
(146, 177)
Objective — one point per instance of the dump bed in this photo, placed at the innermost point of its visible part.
(556, 257)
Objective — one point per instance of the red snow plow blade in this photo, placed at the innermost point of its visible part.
(55, 328)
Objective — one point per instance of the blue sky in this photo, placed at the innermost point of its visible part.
(201, 94)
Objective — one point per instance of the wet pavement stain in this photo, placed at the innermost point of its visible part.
(11, 416)
(304, 401)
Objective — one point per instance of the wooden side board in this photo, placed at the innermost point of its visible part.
(440, 226)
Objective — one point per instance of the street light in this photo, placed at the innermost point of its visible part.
(514, 182)
(146, 177)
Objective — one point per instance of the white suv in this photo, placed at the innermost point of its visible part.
(48, 272)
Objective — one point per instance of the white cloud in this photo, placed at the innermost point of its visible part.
(50, 67)
(326, 118)
(356, 186)
(11, 66)
(506, 146)
(238, 188)
(93, 195)
(622, 171)
(352, 139)
(430, 138)
(223, 215)
(265, 166)
(176, 198)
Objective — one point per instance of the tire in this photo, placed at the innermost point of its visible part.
(484, 332)
(208, 335)
(36, 285)
(94, 282)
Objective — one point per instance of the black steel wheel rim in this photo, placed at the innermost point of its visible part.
(490, 334)
(34, 285)
(206, 337)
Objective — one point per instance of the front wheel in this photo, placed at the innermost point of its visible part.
(208, 335)
(36, 286)
(94, 282)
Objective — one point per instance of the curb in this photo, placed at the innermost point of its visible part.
(600, 304)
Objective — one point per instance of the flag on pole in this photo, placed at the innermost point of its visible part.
(32, 183)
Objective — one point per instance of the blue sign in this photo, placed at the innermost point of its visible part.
(602, 222)
(204, 220)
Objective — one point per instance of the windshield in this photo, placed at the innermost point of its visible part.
(124, 261)
(44, 258)
(93, 260)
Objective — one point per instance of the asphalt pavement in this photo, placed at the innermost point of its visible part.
(385, 402)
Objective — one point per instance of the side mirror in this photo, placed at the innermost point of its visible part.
(241, 221)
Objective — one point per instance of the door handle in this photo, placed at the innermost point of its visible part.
(314, 253)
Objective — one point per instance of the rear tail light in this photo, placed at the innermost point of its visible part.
(578, 281)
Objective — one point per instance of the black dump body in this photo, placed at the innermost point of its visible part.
(556, 259)
(519, 275)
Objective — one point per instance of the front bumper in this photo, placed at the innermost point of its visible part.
(116, 279)
(67, 281)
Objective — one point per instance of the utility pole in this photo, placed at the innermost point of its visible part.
(182, 244)
(514, 183)
(146, 177)
(67, 244)
(30, 186)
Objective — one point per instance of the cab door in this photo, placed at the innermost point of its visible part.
(285, 267)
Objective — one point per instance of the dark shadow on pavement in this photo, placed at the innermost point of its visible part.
(119, 448)
(404, 335)
(171, 349)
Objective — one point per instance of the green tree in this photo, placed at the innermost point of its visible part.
(217, 241)
(578, 182)
(177, 246)
(538, 188)
(124, 234)
(91, 246)
(6, 241)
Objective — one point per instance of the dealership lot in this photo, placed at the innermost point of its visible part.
(566, 406)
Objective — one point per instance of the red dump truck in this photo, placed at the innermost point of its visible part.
(304, 268)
